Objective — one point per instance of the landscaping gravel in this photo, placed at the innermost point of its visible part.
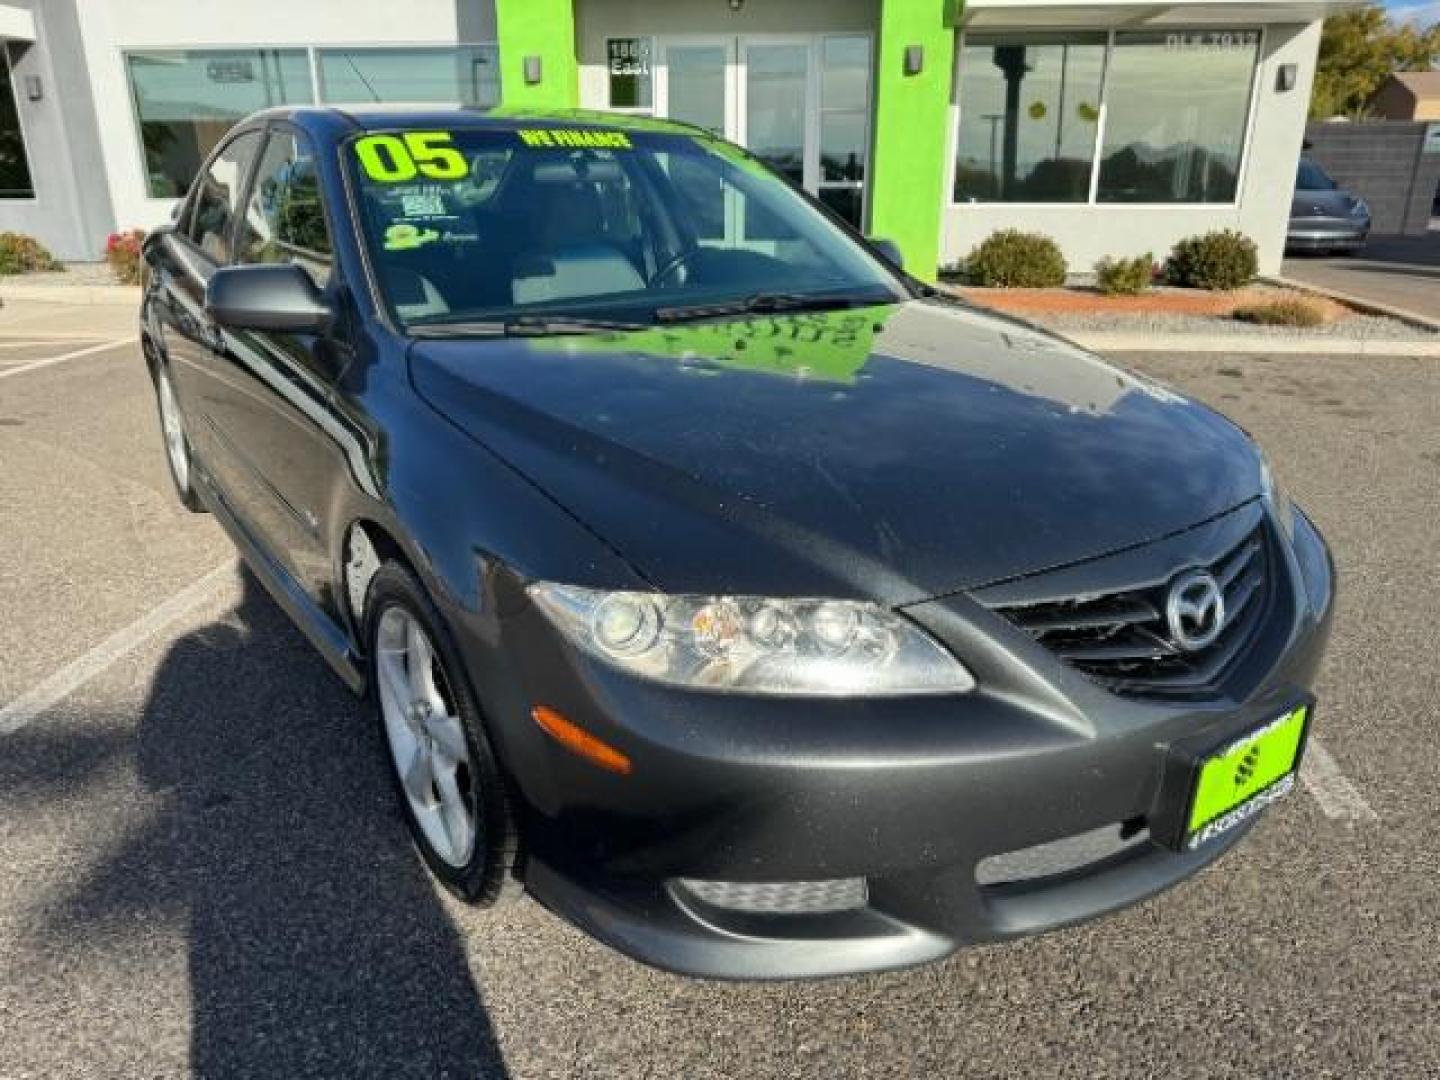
(1355, 328)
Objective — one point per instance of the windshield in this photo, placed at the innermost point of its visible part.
(596, 226)
(1311, 177)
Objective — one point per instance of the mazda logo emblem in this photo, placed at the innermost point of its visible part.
(1195, 610)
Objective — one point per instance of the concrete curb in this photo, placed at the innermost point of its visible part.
(1111, 341)
(1360, 303)
(118, 295)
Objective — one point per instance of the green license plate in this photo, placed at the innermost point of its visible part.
(1236, 782)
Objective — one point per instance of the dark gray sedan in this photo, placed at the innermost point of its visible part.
(1324, 216)
(752, 605)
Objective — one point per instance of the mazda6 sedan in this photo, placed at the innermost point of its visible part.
(751, 605)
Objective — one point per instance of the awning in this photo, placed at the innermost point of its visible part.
(1057, 14)
(16, 23)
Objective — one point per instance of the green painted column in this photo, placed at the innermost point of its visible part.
(543, 28)
(912, 115)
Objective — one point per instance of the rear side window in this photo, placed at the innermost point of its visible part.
(285, 218)
(217, 201)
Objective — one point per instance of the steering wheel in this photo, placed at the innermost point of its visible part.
(674, 263)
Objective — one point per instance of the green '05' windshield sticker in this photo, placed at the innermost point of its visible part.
(394, 159)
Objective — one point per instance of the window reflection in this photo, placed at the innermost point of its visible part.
(1029, 113)
(468, 75)
(1178, 105)
(1174, 114)
(188, 100)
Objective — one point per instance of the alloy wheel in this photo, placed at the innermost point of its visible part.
(427, 741)
(173, 428)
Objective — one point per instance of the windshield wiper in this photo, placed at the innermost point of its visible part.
(766, 302)
(523, 326)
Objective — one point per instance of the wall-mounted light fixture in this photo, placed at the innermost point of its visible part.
(533, 70)
(736, 5)
(914, 59)
(34, 89)
(1285, 77)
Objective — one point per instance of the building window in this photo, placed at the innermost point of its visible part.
(1178, 104)
(1029, 113)
(844, 124)
(14, 162)
(1143, 117)
(187, 100)
(465, 75)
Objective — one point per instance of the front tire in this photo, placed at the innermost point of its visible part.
(451, 790)
(177, 442)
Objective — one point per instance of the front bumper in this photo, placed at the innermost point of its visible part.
(1327, 234)
(928, 800)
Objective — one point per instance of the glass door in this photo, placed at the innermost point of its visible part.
(695, 83)
(800, 103)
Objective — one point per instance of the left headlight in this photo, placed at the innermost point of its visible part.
(757, 645)
(1360, 208)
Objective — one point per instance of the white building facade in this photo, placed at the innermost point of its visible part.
(1115, 127)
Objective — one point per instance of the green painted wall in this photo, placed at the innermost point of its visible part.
(543, 28)
(912, 115)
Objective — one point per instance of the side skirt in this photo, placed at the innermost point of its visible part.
(329, 639)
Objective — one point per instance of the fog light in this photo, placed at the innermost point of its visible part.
(780, 897)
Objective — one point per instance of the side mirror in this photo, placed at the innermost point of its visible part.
(889, 251)
(275, 296)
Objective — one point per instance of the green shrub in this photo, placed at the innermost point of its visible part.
(122, 252)
(1010, 259)
(1125, 277)
(1221, 261)
(21, 254)
(1289, 311)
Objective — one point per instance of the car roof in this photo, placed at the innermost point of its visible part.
(373, 116)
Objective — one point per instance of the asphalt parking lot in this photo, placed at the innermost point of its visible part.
(202, 870)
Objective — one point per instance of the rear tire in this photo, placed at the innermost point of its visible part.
(177, 442)
(454, 797)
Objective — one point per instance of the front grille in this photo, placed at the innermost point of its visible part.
(1122, 641)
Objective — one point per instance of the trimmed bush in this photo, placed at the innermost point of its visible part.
(21, 254)
(1125, 277)
(1220, 261)
(1011, 259)
(122, 252)
(1290, 311)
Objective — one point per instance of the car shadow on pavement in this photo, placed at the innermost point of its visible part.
(317, 945)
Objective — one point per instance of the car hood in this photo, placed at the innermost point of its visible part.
(1326, 203)
(897, 452)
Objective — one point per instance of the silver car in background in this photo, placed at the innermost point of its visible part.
(1323, 216)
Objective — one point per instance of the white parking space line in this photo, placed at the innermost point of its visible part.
(31, 343)
(1337, 796)
(76, 355)
(78, 672)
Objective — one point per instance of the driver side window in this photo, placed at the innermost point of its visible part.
(285, 218)
(217, 199)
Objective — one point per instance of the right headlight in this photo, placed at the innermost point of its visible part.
(756, 645)
(1275, 498)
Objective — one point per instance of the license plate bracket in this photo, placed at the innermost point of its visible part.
(1213, 784)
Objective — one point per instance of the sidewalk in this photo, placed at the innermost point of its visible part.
(64, 318)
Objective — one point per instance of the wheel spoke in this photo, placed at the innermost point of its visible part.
(394, 686)
(448, 735)
(420, 661)
(419, 776)
(454, 815)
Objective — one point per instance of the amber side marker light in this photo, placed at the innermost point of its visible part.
(579, 741)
